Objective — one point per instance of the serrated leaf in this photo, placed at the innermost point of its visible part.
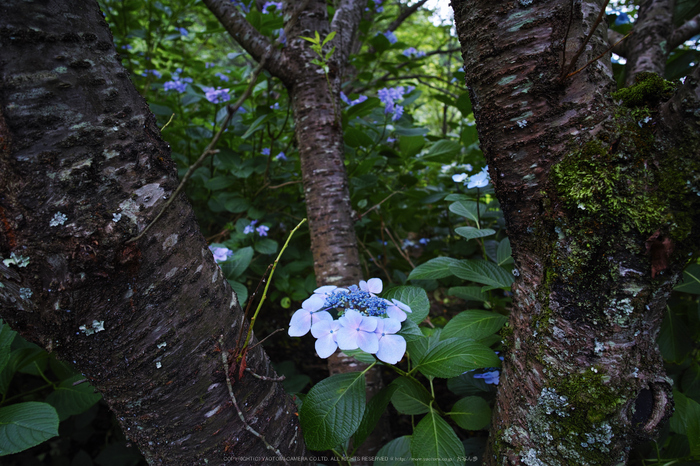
(481, 271)
(240, 290)
(237, 205)
(504, 252)
(257, 124)
(474, 325)
(410, 330)
(471, 232)
(434, 442)
(365, 358)
(418, 348)
(469, 209)
(454, 356)
(395, 453)
(691, 280)
(332, 410)
(19, 359)
(410, 145)
(443, 150)
(266, 246)
(24, 425)
(69, 399)
(469, 293)
(690, 383)
(434, 269)
(410, 396)
(471, 413)
(238, 263)
(466, 385)
(373, 411)
(413, 297)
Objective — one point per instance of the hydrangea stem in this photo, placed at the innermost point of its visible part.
(267, 285)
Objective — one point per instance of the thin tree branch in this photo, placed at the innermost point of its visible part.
(684, 32)
(566, 72)
(224, 359)
(403, 16)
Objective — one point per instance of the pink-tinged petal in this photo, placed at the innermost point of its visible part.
(368, 324)
(325, 327)
(391, 348)
(375, 285)
(363, 285)
(300, 323)
(389, 326)
(395, 313)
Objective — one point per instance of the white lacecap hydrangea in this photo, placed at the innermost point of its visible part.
(365, 321)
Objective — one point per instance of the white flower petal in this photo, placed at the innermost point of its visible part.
(300, 323)
(395, 313)
(313, 303)
(325, 289)
(375, 285)
(325, 346)
(391, 348)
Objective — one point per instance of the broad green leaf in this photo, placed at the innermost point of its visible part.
(686, 420)
(419, 347)
(19, 359)
(434, 269)
(691, 280)
(444, 150)
(161, 110)
(435, 443)
(674, 338)
(454, 356)
(219, 182)
(332, 410)
(469, 135)
(363, 108)
(410, 330)
(690, 383)
(459, 197)
(257, 124)
(410, 396)
(413, 297)
(24, 425)
(357, 138)
(481, 271)
(410, 145)
(266, 246)
(240, 290)
(238, 263)
(373, 411)
(6, 337)
(469, 293)
(503, 253)
(474, 325)
(361, 356)
(469, 209)
(464, 104)
(471, 413)
(395, 453)
(466, 385)
(329, 37)
(237, 205)
(471, 232)
(69, 399)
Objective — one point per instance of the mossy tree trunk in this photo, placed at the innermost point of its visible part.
(600, 199)
(83, 169)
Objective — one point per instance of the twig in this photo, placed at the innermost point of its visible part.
(166, 125)
(376, 262)
(599, 56)
(224, 359)
(284, 184)
(281, 378)
(261, 341)
(566, 72)
(403, 254)
(379, 204)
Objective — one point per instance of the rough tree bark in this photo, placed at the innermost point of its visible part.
(600, 199)
(319, 135)
(82, 170)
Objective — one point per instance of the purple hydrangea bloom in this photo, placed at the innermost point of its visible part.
(155, 73)
(349, 102)
(412, 52)
(244, 6)
(480, 180)
(220, 254)
(390, 37)
(278, 6)
(222, 76)
(491, 377)
(281, 156)
(262, 230)
(176, 85)
(265, 151)
(216, 96)
(250, 228)
(183, 31)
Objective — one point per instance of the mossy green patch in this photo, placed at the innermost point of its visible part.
(649, 89)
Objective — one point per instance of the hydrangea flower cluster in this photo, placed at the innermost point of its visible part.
(349, 102)
(155, 73)
(261, 230)
(412, 52)
(221, 76)
(390, 37)
(216, 96)
(480, 180)
(221, 254)
(365, 321)
(389, 96)
(244, 6)
(177, 83)
(278, 6)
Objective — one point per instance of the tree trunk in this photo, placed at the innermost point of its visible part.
(83, 170)
(601, 210)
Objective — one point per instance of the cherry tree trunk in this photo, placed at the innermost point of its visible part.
(83, 169)
(599, 196)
